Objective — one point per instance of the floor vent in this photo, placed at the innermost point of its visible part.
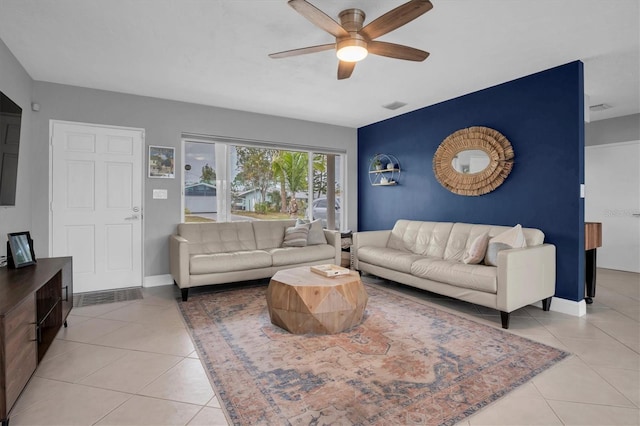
(111, 296)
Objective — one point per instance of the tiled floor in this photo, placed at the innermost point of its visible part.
(133, 363)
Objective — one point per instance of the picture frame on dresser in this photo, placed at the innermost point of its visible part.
(20, 251)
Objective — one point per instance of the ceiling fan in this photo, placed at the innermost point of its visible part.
(353, 40)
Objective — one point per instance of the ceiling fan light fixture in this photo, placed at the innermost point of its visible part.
(352, 50)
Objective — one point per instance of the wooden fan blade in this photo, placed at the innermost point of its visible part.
(345, 69)
(303, 51)
(318, 18)
(397, 51)
(396, 18)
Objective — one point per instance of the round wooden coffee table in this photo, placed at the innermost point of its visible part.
(301, 301)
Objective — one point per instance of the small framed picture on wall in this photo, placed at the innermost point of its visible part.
(162, 162)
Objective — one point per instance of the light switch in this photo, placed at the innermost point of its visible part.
(159, 194)
(582, 190)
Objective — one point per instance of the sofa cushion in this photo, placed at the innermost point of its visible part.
(388, 258)
(270, 233)
(206, 238)
(512, 238)
(532, 236)
(476, 277)
(461, 239)
(316, 234)
(477, 250)
(293, 255)
(228, 262)
(425, 238)
(296, 236)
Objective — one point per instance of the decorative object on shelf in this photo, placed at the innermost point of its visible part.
(384, 170)
(473, 161)
(376, 163)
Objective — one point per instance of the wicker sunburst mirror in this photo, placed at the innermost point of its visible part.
(464, 181)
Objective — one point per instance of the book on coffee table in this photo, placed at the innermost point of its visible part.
(329, 270)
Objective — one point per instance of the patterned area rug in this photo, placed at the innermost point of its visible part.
(111, 296)
(407, 363)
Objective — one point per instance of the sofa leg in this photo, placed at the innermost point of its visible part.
(185, 294)
(546, 304)
(504, 316)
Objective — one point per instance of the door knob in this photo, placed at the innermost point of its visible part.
(132, 217)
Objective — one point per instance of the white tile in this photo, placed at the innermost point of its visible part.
(88, 330)
(151, 338)
(132, 372)
(516, 410)
(59, 347)
(626, 382)
(186, 382)
(572, 413)
(99, 309)
(78, 363)
(51, 402)
(603, 352)
(214, 402)
(574, 381)
(140, 410)
(574, 328)
(209, 417)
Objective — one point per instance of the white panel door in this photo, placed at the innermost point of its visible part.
(96, 204)
(612, 196)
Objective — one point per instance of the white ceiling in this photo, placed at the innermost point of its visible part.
(214, 52)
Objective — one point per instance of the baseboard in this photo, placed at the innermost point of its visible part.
(157, 280)
(564, 306)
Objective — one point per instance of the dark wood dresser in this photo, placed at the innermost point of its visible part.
(34, 303)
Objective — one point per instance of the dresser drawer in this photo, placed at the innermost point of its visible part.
(20, 348)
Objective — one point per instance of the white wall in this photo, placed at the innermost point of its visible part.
(17, 85)
(164, 122)
(612, 130)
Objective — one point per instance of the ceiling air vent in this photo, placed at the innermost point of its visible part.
(599, 107)
(394, 105)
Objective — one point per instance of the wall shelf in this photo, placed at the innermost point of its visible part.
(384, 170)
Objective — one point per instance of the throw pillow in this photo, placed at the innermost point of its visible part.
(316, 234)
(296, 236)
(513, 238)
(478, 249)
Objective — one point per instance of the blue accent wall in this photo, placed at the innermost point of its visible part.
(542, 115)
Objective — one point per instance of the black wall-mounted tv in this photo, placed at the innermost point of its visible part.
(10, 123)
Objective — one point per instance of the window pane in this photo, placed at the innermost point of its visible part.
(257, 183)
(200, 192)
(327, 175)
(269, 184)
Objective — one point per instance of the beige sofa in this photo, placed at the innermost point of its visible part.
(217, 253)
(428, 255)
